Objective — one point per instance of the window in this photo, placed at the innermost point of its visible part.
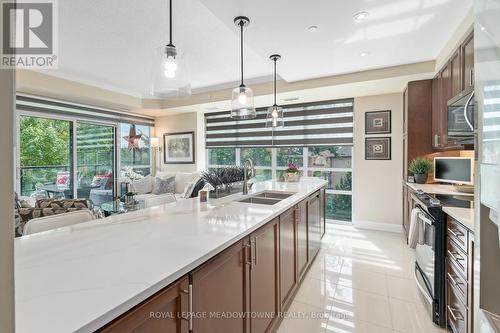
(262, 160)
(332, 163)
(45, 156)
(221, 156)
(135, 152)
(317, 137)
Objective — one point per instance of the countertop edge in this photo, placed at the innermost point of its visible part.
(111, 315)
(452, 212)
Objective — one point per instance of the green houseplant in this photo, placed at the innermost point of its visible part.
(420, 167)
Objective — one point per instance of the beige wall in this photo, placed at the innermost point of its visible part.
(377, 193)
(184, 123)
(6, 201)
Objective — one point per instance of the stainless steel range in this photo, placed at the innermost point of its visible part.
(431, 253)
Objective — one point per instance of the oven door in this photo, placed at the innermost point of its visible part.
(425, 259)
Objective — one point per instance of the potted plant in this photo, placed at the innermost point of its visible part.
(292, 174)
(420, 167)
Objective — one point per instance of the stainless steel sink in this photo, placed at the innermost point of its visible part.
(260, 201)
(267, 197)
(274, 195)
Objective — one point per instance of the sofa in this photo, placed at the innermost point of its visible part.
(186, 185)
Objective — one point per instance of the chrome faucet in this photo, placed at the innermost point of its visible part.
(246, 185)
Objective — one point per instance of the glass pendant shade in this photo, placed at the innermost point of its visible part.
(242, 103)
(275, 117)
(170, 74)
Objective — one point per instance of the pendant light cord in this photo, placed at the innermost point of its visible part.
(241, 51)
(170, 22)
(275, 80)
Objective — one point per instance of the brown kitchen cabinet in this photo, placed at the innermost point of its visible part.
(468, 61)
(459, 276)
(288, 255)
(169, 305)
(264, 276)
(456, 75)
(219, 287)
(417, 101)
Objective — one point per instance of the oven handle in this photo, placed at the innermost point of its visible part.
(465, 111)
(424, 216)
(424, 277)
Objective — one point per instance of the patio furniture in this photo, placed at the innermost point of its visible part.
(56, 221)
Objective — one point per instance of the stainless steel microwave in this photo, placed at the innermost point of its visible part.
(461, 117)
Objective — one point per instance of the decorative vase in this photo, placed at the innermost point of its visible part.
(292, 176)
(421, 178)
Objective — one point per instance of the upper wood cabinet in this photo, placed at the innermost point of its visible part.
(468, 61)
(455, 76)
(456, 73)
(219, 286)
(168, 303)
(264, 282)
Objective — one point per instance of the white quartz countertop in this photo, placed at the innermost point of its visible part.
(463, 215)
(78, 278)
(437, 189)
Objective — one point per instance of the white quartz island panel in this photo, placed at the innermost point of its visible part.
(79, 278)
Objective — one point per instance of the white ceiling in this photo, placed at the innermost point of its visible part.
(110, 43)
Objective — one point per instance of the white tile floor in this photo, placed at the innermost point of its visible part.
(361, 281)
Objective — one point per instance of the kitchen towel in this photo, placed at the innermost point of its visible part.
(416, 234)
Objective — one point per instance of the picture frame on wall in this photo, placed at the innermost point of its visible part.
(378, 148)
(178, 148)
(378, 122)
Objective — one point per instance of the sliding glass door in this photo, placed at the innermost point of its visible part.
(45, 157)
(64, 158)
(95, 162)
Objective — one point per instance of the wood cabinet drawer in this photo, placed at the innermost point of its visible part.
(457, 257)
(458, 233)
(456, 311)
(456, 280)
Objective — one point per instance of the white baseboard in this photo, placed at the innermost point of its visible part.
(389, 227)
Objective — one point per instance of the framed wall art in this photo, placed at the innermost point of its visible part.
(178, 148)
(378, 122)
(378, 148)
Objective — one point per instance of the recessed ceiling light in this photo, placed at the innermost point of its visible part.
(364, 54)
(312, 28)
(360, 16)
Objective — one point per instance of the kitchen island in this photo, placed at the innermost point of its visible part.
(81, 278)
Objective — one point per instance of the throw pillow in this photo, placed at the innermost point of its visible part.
(188, 190)
(143, 185)
(162, 186)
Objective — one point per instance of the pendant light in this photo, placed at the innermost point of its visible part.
(242, 96)
(170, 75)
(275, 113)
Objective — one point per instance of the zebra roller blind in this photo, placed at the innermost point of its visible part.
(82, 112)
(318, 123)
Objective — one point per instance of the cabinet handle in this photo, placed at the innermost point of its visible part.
(254, 252)
(471, 80)
(453, 315)
(455, 256)
(452, 279)
(455, 233)
(245, 254)
(436, 140)
(189, 318)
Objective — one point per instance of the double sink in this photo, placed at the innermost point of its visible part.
(267, 197)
